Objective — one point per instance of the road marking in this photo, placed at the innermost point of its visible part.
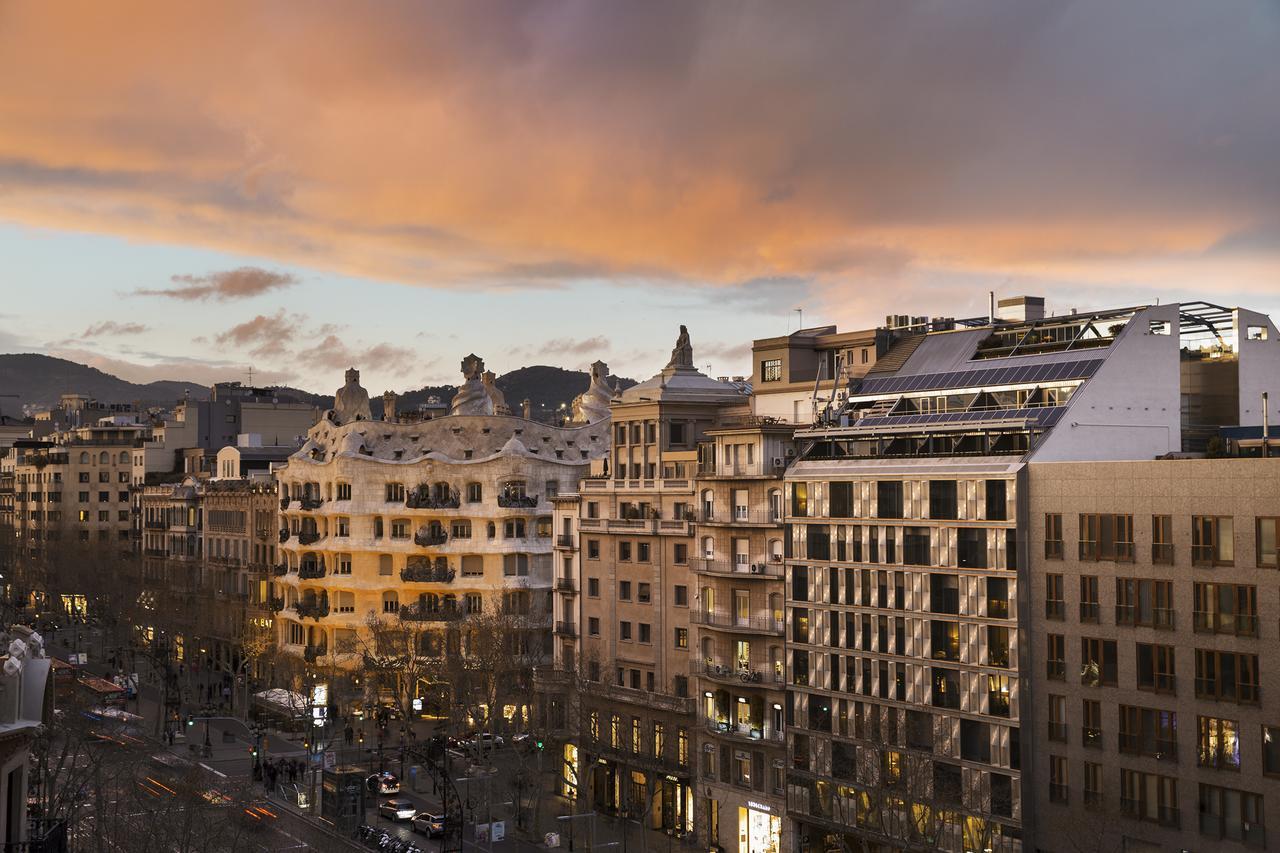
(211, 770)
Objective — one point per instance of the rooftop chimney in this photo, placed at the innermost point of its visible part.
(1021, 309)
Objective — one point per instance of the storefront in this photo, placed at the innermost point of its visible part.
(759, 830)
(675, 806)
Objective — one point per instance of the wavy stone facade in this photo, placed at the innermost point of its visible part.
(419, 520)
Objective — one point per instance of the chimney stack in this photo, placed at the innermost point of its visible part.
(389, 400)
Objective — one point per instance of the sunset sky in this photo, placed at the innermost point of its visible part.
(188, 189)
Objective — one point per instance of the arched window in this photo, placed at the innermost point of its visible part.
(493, 530)
(84, 457)
(104, 458)
(708, 548)
(775, 504)
(390, 602)
(775, 550)
(475, 493)
(124, 457)
(775, 606)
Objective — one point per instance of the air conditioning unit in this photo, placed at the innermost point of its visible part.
(779, 462)
(756, 568)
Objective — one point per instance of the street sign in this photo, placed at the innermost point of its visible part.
(330, 759)
(499, 830)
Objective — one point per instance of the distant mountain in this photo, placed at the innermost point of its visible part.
(42, 379)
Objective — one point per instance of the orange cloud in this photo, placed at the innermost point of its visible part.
(492, 144)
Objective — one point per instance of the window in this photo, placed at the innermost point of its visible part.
(944, 593)
(682, 638)
(515, 565)
(390, 602)
(1091, 723)
(1088, 598)
(800, 499)
(475, 493)
(1106, 537)
(593, 626)
(395, 492)
(1097, 662)
(676, 433)
(1056, 657)
(681, 595)
(645, 634)
(1266, 539)
(1227, 676)
(1271, 750)
(1213, 540)
(1231, 814)
(1218, 743)
(593, 587)
(1156, 670)
(889, 499)
(1150, 797)
(643, 593)
(513, 528)
(642, 552)
(1054, 606)
(1092, 784)
(624, 590)
(997, 595)
(344, 492)
(1226, 608)
(915, 546)
(593, 549)
(680, 554)
(399, 529)
(343, 565)
(997, 500)
(1162, 539)
(344, 526)
(472, 566)
(1058, 718)
(1057, 779)
(1145, 603)
(771, 370)
(624, 630)
(942, 499)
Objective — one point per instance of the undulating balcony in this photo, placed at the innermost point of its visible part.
(311, 571)
(516, 501)
(429, 538)
(284, 534)
(312, 609)
(308, 537)
(425, 573)
(312, 653)
(425, 500)
(418, 613)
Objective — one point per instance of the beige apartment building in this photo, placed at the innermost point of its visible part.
(622, 684)
(793, 374)
(1153, 639)
(421, 521)
(738, 633)
(74, 487)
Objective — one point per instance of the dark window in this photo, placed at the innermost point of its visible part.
(840, 500)
(942, 499)
(915, 546)
(889, 499)
(997, 497)
(944, 594)
(971, 547)
(818, 541)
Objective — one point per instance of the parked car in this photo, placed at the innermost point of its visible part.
(428, 824)
(397, 808)
(385, 782)
(484, 741)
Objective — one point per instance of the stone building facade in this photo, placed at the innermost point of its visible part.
(1154, 684)
(424, 521)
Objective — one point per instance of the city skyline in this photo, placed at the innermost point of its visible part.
(561, 184)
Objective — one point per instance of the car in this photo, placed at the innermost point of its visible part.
(385, 782)
(397, 808)
(483, 741)
(428, 824)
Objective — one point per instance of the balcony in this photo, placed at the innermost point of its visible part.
(736, 673)
(1209, 622)
(418, 613)
(284, 534)
(275, 605)
(308, 537)
(424, 500)
(566, 585)
(427, 574)
(566, 629)
(564, 541)
(1058, 732)
(310, 503)
(744, 731)
(312, 609)
(428, 538)
(740, 515)
(759, 567)
(518, 501)
(280, 569)
(284, 503)
(757, 624)
(156, 525)
(311, 571)
(311, 654)
(155, 552)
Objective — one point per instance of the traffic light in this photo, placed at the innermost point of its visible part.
(538, 743)
(191, 721)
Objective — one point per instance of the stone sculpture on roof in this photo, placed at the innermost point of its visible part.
(682, 354)
(351, 403)
(593, 404)
(472, 397)
(496, 397)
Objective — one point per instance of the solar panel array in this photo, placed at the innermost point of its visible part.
(1045, 416)
(1052, 372)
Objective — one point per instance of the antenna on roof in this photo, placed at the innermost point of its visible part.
(800, 311)
(251, 376)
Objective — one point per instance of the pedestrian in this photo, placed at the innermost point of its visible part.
(349, 735)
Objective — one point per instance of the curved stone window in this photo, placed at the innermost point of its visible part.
(124, 457)
(475, 493)
(543, 527)
(84, 457)
(104, 458)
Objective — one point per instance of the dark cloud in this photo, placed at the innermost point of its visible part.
(111, 327)
(242, 283)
